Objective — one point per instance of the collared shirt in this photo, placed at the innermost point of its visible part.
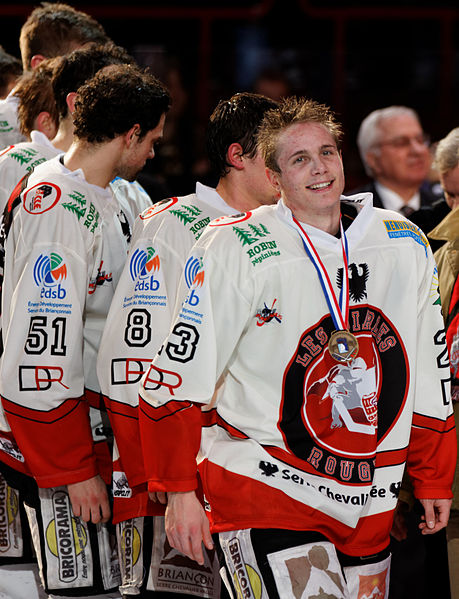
(392, 201)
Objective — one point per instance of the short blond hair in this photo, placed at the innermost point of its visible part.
(293, 110)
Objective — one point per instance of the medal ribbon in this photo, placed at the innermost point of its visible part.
(339, 311)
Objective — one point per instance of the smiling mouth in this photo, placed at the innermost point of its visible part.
(320, 186)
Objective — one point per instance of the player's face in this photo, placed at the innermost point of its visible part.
(311, 177)
(450, 183)
(140, 151)
(401, 157)
(258, 185)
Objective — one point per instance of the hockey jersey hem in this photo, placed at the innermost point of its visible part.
(173, 486)
(353, 550)
(428, 492)
(67, 478)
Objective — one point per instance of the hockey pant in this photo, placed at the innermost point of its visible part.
(152, 568)
(75, 558)
(283, 564)
(15, 540)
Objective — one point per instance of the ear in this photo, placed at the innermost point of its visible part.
(234, 155)
(70, 99)
(46, 124)
(273, 178)
(132, 135)
(372, 161)
(36, 60)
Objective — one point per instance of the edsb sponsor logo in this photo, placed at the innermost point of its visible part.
(49, 273)
(194, 277)
(142, 267)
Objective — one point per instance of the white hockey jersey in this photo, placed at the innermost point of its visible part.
(297, 440)
(142, 309)
(19, 160)
(64, 251)
(9, 126)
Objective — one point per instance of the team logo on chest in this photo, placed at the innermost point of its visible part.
(333, 415)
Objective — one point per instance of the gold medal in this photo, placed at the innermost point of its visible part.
(343, 346)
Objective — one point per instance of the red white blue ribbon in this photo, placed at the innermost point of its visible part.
(339, 311)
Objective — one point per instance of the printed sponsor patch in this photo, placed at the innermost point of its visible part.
(370, 581)
(145, 272)
(66, 540)
(252, 236)
(186, 214)
(5, 127)
(400, 228)
(22, 155)
(158, 208)
(232, 219)
(435, 289)
(78, 206)
(242, 564)
(10, 522)
(171, 571)
(41, 197)
(120, 485)
(100, 279)
(308, 571)
(49, 273)
(130, 542)
(265, 314)
(11, 449)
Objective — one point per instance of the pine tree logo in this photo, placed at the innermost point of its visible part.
(251, 234)
(187, 214)
(23, 156)
(78, 197)
(76, 210)
(79, 207)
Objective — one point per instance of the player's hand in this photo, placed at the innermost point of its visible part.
(158, 497)
(399, 530)
(90, 500)
(187, 526)
(436, 514)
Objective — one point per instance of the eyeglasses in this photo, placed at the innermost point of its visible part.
(403, 141)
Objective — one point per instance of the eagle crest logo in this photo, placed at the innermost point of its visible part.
(358, 277)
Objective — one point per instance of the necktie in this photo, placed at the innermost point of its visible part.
(407, 211)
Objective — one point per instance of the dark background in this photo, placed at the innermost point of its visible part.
(355, 56)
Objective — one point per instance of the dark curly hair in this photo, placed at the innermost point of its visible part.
(81, 65)
(235, 121)
(115, 99)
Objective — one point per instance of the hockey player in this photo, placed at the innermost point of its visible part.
(140, 317)
(69, 73)
(64, 248)
(319, 319)
(52, 29)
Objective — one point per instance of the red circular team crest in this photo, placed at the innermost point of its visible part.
(334, 413)
(41, 198)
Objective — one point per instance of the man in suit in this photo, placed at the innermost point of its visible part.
(395, 152)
